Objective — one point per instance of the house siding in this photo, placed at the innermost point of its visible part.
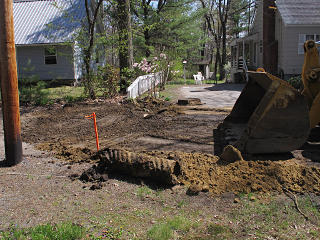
(258, 28)
(292, 61)
(31, 62)
(279, 34)
(257, 24)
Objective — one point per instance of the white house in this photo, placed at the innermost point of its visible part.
(275, 41)
(44, 38)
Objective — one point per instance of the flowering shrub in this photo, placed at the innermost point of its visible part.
(176, 70)
(156, 64)
(169, 70)
(107, 79)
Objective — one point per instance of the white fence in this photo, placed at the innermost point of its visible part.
(143, 84)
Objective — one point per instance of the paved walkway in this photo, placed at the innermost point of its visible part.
(213, 96)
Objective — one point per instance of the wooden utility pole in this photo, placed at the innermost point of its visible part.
(9, 86)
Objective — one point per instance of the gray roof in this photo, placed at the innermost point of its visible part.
(299, 12)
(47, 21)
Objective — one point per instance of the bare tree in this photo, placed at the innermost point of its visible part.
(123, 18)
(130, 37)
(91, 21)
(217, 15)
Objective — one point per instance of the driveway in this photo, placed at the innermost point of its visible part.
(216, 96)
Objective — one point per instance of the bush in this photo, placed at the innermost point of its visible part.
(107, 80)
(296, 82)
(31, 91)
(227, 69)
(128, 76)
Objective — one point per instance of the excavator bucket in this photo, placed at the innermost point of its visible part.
(270, 116)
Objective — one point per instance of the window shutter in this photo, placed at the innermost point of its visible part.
(302, 39)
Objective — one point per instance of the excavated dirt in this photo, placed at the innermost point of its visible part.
(206, 172)
(162, 133)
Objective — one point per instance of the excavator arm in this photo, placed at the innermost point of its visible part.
(311, 81)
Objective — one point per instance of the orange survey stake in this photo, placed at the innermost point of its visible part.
(93, 116)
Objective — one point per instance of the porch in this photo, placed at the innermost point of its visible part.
(246, 54)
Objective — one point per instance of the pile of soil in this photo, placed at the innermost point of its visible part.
(206, 172)
(70, 154)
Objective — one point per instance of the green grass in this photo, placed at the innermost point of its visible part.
(72, 94)
(143, 191)
(62, 231)
(218, 231)
(66, 93)
(111, 233)
(39, 95)
(166, 230)
(276, 218)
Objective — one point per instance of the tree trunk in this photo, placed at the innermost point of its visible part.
(218, 64)
(130, 45)
(146, 32)
(123, 14)
(147, 42)
(92, 19)
(89, 80)
(224, 50)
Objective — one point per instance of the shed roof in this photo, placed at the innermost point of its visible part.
(299, 12)
(46, 21)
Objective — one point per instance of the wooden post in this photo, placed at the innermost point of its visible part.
(9, 86)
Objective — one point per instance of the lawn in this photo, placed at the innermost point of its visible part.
(71, 94)
(253, 217)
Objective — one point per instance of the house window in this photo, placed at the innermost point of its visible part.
(305, 37)
(309, 37)
(50, 55)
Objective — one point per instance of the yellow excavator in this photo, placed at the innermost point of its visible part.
(270, 116)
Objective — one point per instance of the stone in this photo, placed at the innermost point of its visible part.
(194, 190)
(104, 177)
(189, 101)
(171, 156)
(231, 154)
(147, 116)
(95, 187)
(252, 198)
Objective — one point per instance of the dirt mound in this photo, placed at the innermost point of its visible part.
(161, 170)
(150, 104)
(246, 176)
(205, 172)
(70, 154)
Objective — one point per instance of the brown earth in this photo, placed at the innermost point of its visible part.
(163, 131)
